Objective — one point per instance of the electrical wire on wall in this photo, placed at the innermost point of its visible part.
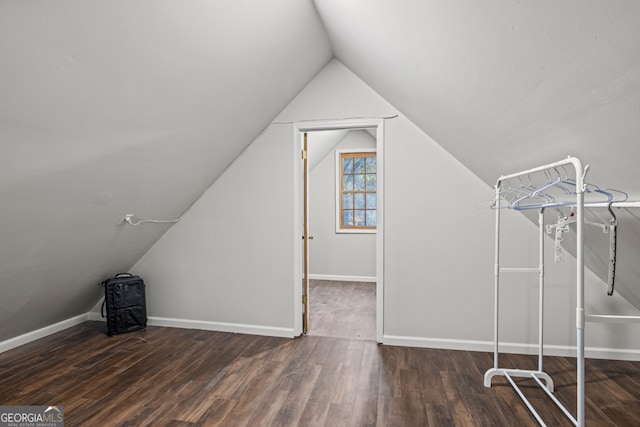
(134, 220)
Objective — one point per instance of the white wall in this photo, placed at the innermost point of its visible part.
(227, 265)
(225, 269)
(438, 245)
(224, 265)
(337, 255)
(116, 107)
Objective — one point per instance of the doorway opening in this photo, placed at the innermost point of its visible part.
(342, 309)
(371, 280)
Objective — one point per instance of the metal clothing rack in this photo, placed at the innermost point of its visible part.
(539, 375)
(528, 196)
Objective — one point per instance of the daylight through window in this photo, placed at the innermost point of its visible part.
(358, 198)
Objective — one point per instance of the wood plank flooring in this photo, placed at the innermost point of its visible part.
(342, 309)
(180, 377)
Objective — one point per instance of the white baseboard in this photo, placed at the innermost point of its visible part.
(95, 316)
(439, 343)
(209, 326)
(41, 333)
(487, 346)
(222, 327)
(339, 278)
(404, 341)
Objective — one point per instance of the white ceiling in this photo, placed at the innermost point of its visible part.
(116, 107)
(320, 143)
(505, 85)
(509, 85)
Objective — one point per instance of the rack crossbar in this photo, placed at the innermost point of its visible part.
(556, 401)
(612, 204)
(525, 400)
(568, 161)
(613, 318)
(520, 270)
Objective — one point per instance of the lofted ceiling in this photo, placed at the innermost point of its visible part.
(505, 85)
(110, 108)
(321, 143)
(117, 107)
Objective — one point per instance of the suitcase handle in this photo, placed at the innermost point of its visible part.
(117, 275)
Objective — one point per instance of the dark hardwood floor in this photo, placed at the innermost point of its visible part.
(180, 377)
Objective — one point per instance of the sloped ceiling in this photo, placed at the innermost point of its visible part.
(505, 85)
(116, 107)
(321, 143)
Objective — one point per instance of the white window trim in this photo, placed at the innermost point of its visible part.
(337, 192)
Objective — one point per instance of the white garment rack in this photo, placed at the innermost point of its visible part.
(536, 195)
(529, 197)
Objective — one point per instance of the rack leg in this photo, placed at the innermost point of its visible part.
(580, 376)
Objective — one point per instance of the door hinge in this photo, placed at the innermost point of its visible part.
(304, 154)
(304, 299)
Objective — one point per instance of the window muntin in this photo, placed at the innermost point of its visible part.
(357, 191)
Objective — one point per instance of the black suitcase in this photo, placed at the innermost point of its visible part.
(124, 298)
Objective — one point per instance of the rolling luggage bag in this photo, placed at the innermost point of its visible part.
(124, 298)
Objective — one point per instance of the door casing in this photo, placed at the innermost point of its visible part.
(299, 128)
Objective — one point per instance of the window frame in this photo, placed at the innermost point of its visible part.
(338, 192)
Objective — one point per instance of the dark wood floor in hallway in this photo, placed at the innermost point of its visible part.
(180, 377)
